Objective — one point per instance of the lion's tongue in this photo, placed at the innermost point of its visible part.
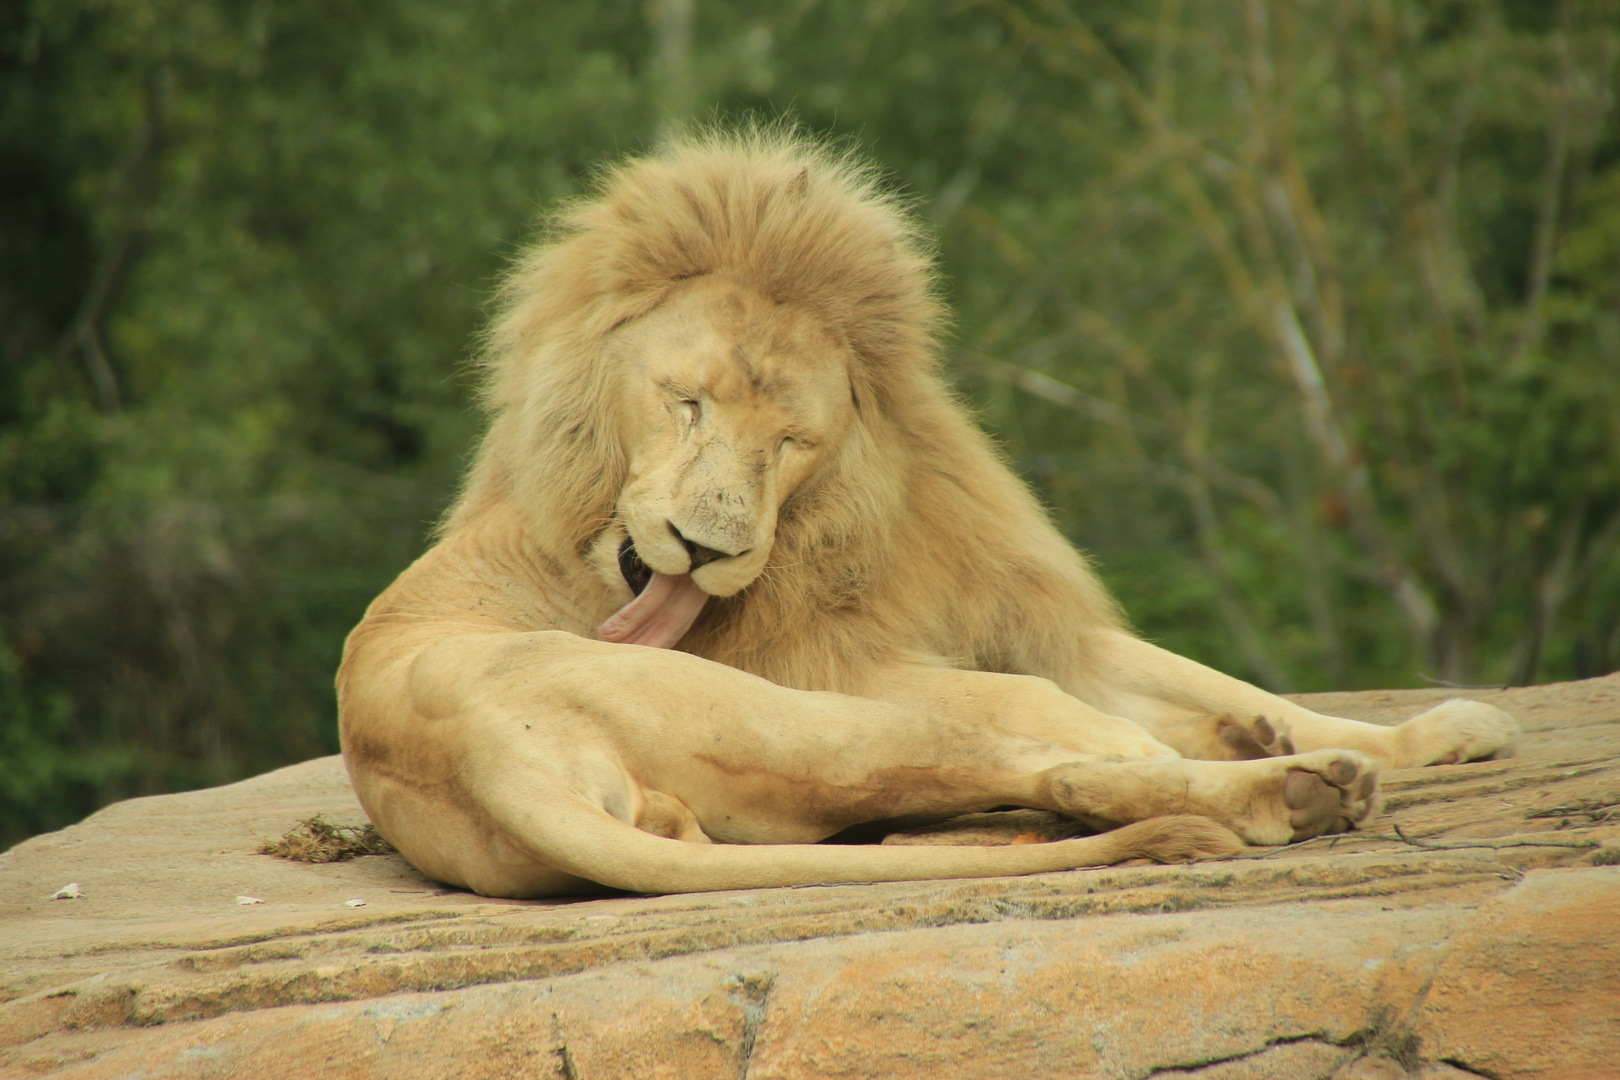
(663, 612)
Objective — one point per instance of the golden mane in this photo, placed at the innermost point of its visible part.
(917, 500)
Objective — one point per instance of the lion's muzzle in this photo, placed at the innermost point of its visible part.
(700, 554)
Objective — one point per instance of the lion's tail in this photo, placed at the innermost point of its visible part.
(587, 842)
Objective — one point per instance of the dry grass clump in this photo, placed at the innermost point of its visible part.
(316, 840)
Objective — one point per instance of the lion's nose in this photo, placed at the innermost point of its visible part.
(701, 555)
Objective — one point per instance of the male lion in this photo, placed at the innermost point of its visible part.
(733, 568)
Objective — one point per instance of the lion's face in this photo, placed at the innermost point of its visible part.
(728, 403)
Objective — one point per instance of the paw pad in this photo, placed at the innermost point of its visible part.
(1259, 738)
(1331, 800)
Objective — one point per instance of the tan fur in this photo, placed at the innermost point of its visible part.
(734, 345)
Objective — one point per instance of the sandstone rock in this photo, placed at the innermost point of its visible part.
(1482, 939)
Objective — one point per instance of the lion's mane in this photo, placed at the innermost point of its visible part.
(916, 541)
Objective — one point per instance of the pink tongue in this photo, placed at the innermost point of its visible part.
(663, 612)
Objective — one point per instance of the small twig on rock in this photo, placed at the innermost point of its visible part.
(1528, 841)
(1460, 686)
(1400, 837)
(1596, 809)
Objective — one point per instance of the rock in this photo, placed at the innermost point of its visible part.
(1483, 943)
(1531, 987)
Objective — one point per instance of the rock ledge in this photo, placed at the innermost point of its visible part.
(1481, 938)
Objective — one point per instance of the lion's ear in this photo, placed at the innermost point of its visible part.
(800, 184)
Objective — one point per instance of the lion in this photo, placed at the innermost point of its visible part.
(733, 571)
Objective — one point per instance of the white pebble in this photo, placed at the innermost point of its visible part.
(248, 900)
(355, 903)
(67, 892)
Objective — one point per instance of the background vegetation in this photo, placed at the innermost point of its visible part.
(1303, 315)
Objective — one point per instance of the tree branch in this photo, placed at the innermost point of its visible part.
(1549, 202)
(84, 332)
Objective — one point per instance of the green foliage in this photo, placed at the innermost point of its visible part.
(42, 786)
(243, 247)
(247, 247)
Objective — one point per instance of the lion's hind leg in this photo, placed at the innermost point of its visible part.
(1274, 800)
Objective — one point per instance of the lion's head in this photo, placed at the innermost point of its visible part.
(727, 403)
(696, 346)
(719, 376)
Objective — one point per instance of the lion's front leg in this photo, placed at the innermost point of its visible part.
(1225, 737)
(1195, 709)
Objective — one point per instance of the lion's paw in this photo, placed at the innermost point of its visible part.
(1257, 737)
(1329, 791)
(1455, 731)
(1287, 799)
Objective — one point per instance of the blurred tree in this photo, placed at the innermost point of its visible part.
(245, 244)
(1386, 394)
(1302, 315)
